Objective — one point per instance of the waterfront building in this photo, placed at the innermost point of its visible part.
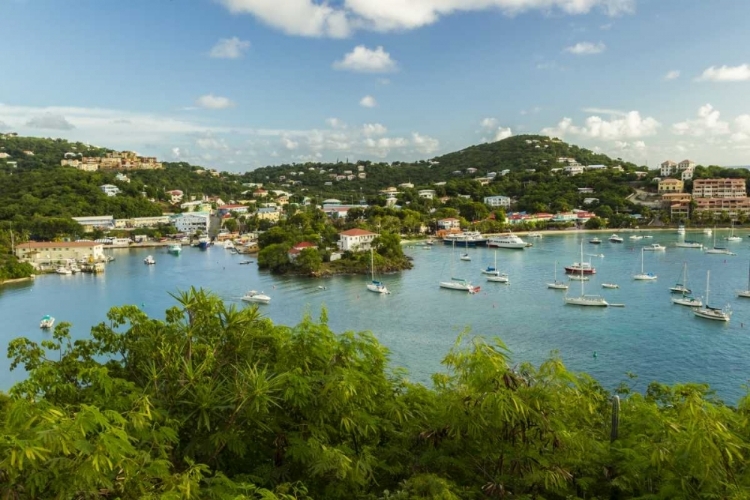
(449, 223)
(103, 222)
(191, 222)
(356, 240)
(297, 249)
(53, 251)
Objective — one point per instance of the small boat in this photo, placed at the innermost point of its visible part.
(259, 297)
(681, 229)
(458, 283)
(687, 301)
(719, 250)
(578, 277)
(375, 285)
(681, 286)
(655, 247)
(500, 278)
(708, 312)
(47, 322)
(246, 262)
(595, 241)
(648, 236)
(707, 231)
(149, 260)
(610, 285)
(731, 236)
(615, 239)
(174, 249)
(228, 244)
(492, 270)
(557, 285)
(535, 235)
(63, 270)
(688, 244)
(636, 237)
(465, 256)
(644, 276)
(583, 299)
(204, 243)
(430, 242)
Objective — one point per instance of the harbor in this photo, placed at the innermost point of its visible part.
(419, 321)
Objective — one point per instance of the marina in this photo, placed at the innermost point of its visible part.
(419, 321)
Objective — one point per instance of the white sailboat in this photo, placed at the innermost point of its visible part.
(458, 283)
(681, 286)
(685, 299)
(557, 285)
(709, 312)
(731, 236)
(643, 276)
(375, 285)
(492, 270)
(583, 299)
(745, 293)
(718, 250)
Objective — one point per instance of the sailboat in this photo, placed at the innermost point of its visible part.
(643, 276)
(458, 283)
(731, 236)
(718, 250)
(375, 285)
(557, 285)
(465, 255)
(709, 312)
(583, 299)
(681, 286)
(492, 270)
(745, 293)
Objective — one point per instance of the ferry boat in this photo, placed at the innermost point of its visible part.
(508, 240)
(466, 239)
(580, 268)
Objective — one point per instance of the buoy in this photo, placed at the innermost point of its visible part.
(143, 304)
(595, 355)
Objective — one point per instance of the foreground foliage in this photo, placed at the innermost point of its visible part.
(217, 402)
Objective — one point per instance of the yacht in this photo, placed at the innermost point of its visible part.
(615, 239)
(259, 297)
(500, 278)
(492, 270)
(681, 286)
(46, 322)
(149, 260)
(731, 236)
(466, 238)
(228, 244)
(595, 241)
(655, 247)
(636, 237)
(465, 256)
(580, 268)
(687, 300)
(374, 285)
(174, 249)
(63, 270)
(459, 284)
(508, 240)
(709, 312)
(745, 293)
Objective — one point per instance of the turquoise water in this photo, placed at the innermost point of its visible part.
(419, 321)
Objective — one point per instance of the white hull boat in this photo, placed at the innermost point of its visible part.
(509, 240)
(63, 270)
(610, 285)
(501, 278)
(149, 260)
(46, 322)
(583, 299)
(375, 285)
(465, 257)
(688, 244)
(655, 247)
(712, 313)
(644, 276)
(557, 285)
(258, 297)
(576, 277)
(459, 284)
(745, 294)
(615, 239)
(687, 301)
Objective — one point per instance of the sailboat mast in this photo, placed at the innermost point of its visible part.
(641, 260)
(708, 278)
(580, 264)
(372, 265)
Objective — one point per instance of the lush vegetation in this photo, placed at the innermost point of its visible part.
(216, 402)
(10, 267)
(313, 226)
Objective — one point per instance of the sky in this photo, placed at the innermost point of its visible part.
(240, 84)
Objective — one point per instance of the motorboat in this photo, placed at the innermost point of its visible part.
(595, 241)
(465, 256)
(175, 249)
(610, 285)
(648, 236)
(615, 239)
(557, 285)
(713, 313)
(655, 247)
(508, 240)
(578, 277)
(580, 268)
(47, 322)
(644, 276)
(535, 235)
(688, 244)
(259, 297)
(149, 261)
(636, 237)
(707, 231)
(583, 299)
(63, 270)
(204, 243)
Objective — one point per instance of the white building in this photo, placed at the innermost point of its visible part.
(110, 189)
(122, 178)
(51, 251)
(450, 223)
(356, 240)
(104, 222)
(497, 201)
(667, 168)
(191, 222)
(427, 193)
(574, 170)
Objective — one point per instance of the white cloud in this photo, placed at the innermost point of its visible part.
(209, 141)
(340, 19)
(742, 126)
(210, 101)
(739, 73)
(176, 153)
(489, 123)
(503, 133)
(424, 144)
(364, 60)
(586, 48)
(605, 111)
(708, 123)
(672, 75)
(629, 126)
(229, 48)
(383, 146)
(289, 143)
(368, 101)
(335, 123)
(371, 129)
(50, 121)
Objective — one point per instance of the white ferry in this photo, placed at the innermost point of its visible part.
(508, 240)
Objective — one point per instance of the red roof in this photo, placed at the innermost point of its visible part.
(304, 244)
(357, 232)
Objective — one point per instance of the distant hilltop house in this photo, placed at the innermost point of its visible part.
(685, 169)
(123, 160)
(110, 189)
(175, 195)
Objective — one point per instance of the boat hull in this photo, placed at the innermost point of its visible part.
(687, 302)
(573, 270)
(711, 314)
(381, 289)
(586, 301)
(644, 277)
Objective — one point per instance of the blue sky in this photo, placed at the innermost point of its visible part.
(238, 84)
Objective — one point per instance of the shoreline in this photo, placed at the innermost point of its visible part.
(17, 280)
